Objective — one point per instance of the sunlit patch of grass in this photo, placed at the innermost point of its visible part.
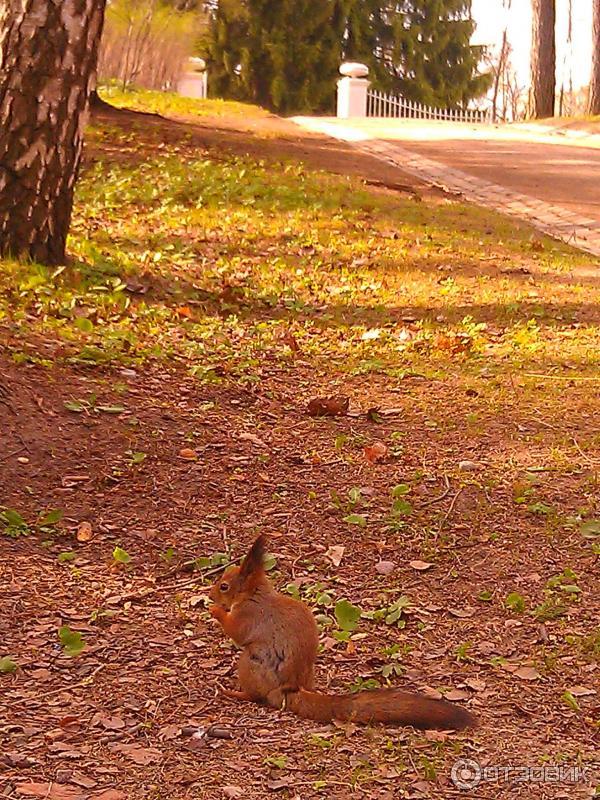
(170, 104)
(211, 259)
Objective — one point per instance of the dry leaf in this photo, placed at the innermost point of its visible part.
(385, 567)
(376, 452)
(436, 736)
(328, 406)
(476, 684)
(581, 691)
(188, 454)
(527, 674)
(462, 613)
(456, 695)
(233, 791)
(110, 794)
(112, 723)
(84, 532)
(335, 554)
(250, 437)
(420, 566)
(80, 779)
(139, 755)
(50, 791)
(429, 691)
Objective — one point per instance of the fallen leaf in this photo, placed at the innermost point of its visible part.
(50, 791)
(188, 454)
(110, 794)
(170, 732)
(462, 613)
(328, 406)
(335, 554)
(456, 694)
(468, 466)
(420, 566)
(250, 437)
(385, 567)
(233, 791)
(375, 452)
(436, 736)
(476, 684)
(80, 779)
(112, 723)
(429, 691)
(84, 532)
(527, 674)
(581, 691)
(139, 755)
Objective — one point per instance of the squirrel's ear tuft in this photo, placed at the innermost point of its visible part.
(255, 559)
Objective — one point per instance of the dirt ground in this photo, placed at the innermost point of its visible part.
(140, 717)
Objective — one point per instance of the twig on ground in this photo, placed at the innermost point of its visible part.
(440, 497)
(451, 508)
(593, 461)
(85, 682)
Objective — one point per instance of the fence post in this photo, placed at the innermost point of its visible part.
(352, 90)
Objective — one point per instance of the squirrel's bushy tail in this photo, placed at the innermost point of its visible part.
(380, 705)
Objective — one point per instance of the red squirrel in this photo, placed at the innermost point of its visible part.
(279, 639)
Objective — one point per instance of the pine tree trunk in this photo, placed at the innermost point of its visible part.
(543, 59)
(594, 101)
(48, 55)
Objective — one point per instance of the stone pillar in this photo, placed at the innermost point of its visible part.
(352, 91)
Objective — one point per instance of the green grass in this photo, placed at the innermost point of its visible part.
(170, 104)
(208, 259)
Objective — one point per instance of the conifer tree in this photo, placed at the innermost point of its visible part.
(285, 54)
(432, 59)
(282, 54)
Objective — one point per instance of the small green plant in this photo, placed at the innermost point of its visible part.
(360, 685)
(12, 524)
(7, 665)
(136, 457)
(392, 614)
(210, 562)
(72, 642)
(462, 652)
(347, 616)
(279, 762)
(515, 602)
(121, 556)
(395, 654)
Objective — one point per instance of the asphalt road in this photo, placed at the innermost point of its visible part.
(548, 166)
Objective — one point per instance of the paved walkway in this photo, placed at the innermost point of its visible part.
(552, 182)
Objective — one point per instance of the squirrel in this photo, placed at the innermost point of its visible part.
(279, 639)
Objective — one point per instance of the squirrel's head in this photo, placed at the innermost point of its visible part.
(236, 583)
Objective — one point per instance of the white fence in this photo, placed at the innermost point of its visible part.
(380, 104)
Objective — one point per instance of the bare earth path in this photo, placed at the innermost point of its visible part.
(545, 178)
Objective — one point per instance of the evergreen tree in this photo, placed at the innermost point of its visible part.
(431, 58)
(282, 54)
(285, 54)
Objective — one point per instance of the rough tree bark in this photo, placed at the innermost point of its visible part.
(48, 56)
(543, 59)
(594, 100)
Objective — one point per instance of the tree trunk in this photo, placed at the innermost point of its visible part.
(594, 100)
(48, 55)
(543, 60)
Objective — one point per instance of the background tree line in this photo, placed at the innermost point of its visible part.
(285, 54)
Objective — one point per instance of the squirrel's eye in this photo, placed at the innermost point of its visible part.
(224, 586)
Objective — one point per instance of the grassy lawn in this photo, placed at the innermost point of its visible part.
(156, 387)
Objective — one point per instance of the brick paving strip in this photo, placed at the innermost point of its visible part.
(560, 223)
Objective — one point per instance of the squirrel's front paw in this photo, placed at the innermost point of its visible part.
(218, 612)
